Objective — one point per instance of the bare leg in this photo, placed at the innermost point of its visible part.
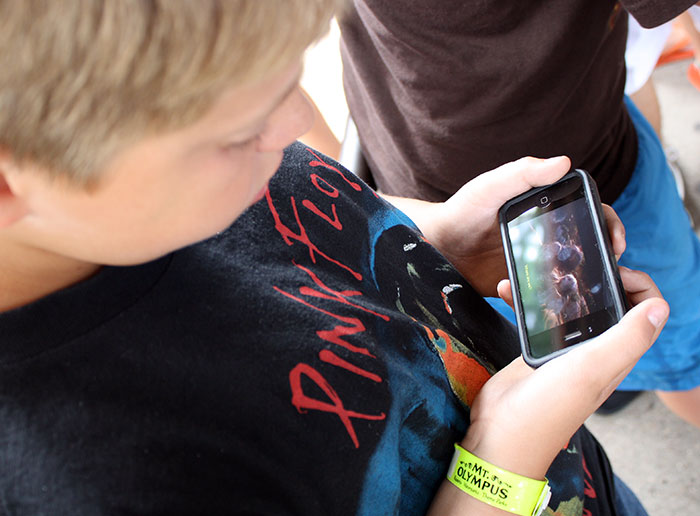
(685, 404)
(648, 103)
(686, 22)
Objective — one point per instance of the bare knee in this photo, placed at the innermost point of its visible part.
(685, 404)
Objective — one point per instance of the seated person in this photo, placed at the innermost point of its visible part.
(200, 316)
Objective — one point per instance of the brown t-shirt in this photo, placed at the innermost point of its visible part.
(443, 91)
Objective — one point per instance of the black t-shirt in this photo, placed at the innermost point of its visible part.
(444, 91)
(316, 358)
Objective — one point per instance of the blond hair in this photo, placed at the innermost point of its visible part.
(82, 79)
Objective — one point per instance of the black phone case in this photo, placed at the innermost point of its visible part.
(607, 254)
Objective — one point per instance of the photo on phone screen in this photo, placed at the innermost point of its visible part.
(564, 278)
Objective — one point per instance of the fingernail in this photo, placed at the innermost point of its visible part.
(657, 315)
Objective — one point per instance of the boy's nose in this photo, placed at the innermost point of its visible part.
(293, 117)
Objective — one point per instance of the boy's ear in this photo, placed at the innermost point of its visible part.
(12, 206)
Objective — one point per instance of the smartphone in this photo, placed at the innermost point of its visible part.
(563, 273)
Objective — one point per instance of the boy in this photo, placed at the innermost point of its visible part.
(317, 355)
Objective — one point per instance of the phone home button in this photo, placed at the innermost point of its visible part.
(572, 335)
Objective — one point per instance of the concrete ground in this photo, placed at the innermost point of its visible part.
(652, 450)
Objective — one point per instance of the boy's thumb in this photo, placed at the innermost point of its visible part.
(640, 327)
(657, 313)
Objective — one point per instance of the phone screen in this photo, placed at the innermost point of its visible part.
(565, 290)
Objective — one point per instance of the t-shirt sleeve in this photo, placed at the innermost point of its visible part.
(652, 13)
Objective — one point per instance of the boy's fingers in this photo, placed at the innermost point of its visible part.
(605, 361)
(638, 285)
(597, 367)
(505, 182)
(617, 350)
(616, 230)
(504, 291)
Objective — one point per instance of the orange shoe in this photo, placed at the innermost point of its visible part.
(679, 50)
(694, 74)
(677, 46)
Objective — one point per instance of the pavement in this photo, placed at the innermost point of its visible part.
(652, 450)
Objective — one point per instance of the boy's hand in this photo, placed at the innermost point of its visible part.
(465, 227)
(523, 417)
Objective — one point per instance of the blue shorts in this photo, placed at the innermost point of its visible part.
(660, 242)
(626, 502)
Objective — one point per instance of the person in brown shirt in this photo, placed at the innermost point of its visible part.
(442, 92)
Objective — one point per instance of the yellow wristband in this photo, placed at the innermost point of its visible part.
(498, 487)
